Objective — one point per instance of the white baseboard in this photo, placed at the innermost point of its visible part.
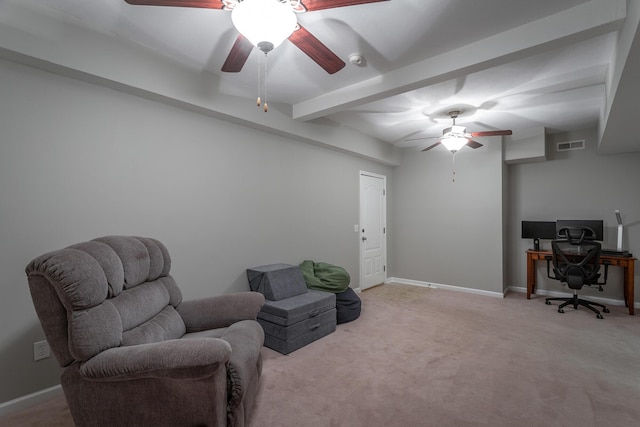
(548, 293)
(392, 280)
(541, 292)
(29, 400)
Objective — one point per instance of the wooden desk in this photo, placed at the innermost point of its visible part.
(627, 263)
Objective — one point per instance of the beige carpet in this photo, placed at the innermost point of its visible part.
(430, 357)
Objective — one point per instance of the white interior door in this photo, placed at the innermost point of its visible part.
(373, 228)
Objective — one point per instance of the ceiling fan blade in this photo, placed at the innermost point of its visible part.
(238, 55)
(316, 50)
(432, 146)
(330, 4)
(205, 4)
(473, 144)
(492, 133)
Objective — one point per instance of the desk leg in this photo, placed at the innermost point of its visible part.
(629, 286)
(531, 275)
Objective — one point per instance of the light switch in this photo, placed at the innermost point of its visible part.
(355, 228)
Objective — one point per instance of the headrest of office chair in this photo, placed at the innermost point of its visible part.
(576, 235)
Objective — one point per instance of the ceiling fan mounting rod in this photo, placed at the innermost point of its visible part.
(454, 115)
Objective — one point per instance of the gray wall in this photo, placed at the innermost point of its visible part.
(79, 161)
(449, 232)
(578, 184)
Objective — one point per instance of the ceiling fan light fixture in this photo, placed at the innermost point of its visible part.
(265, 23)
(454, 143)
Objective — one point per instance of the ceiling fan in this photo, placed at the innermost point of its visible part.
(300, 36)
(456, 137)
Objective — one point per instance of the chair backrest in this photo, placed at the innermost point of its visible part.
(576, 235)
(108, 292)
(576, 257)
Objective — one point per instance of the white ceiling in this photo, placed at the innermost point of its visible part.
(507, 64)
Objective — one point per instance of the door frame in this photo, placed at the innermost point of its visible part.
(383, 220)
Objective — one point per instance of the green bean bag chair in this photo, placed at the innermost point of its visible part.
(322, 276)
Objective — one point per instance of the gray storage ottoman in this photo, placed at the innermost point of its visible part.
(300, 316)
(277, 281)
(294, 322)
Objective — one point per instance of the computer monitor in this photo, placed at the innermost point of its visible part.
(597, 225)
(537, 230)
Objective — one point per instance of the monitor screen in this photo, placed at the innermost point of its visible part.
(597, 225)
(538, 229)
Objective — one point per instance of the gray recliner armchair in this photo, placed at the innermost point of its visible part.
(133, 352)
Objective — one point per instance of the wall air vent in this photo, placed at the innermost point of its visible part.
(570, 145)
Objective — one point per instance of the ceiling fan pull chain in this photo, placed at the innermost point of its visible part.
(453, 167)
(259, 101)
(264, 82)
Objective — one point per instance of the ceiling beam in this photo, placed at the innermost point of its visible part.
(587, 20)
(617, 125)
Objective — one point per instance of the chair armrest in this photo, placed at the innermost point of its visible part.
(192, 358)
(220, 311)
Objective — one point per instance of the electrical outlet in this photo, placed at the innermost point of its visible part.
(41, 350)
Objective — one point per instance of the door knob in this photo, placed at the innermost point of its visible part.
(364, 238)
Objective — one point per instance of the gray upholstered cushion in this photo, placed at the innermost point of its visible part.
(108, 261)
(117, 291)
(220, 311)
(136, 259)
(80, 280)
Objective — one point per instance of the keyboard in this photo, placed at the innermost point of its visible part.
(614, 252)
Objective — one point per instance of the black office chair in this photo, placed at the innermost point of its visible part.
(576, 262)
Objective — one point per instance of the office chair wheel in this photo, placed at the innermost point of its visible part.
(599, 316)
(560, 310)
(605, 310)
(547, 302)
